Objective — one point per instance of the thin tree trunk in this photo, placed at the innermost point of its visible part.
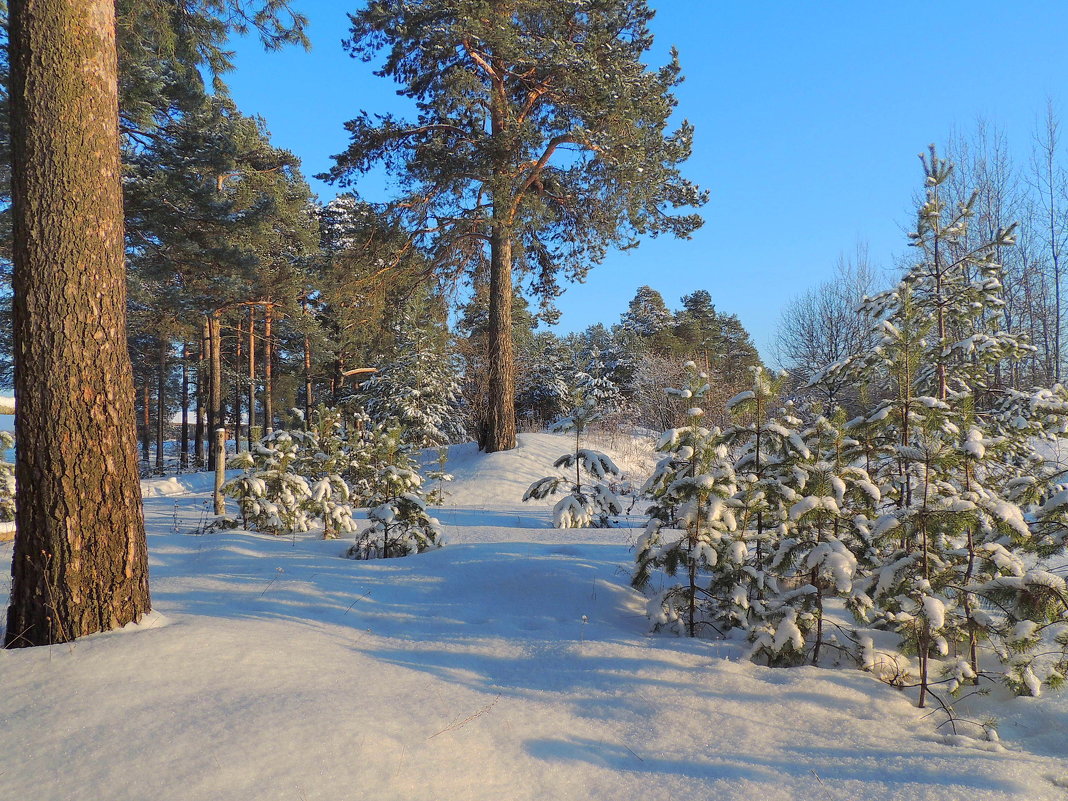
(209, 394)
(218, 447)
(80, 563)
(146, 424)
(183, 461)
(217, 404)
(238, 389)
(268, 355)
(308, 399)
(161, 400)
(202, 397)
(251, 373)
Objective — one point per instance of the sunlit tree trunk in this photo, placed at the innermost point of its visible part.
(80, 561)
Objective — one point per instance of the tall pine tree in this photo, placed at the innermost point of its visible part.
(541, 140)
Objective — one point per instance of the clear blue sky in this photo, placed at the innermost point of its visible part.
(808, 116)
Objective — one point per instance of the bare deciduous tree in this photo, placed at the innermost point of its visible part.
(822, 326)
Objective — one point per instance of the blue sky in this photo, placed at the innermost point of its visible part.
(808, 120)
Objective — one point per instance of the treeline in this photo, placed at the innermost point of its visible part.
(635, 358)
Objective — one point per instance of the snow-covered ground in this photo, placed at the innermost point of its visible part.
(515, 663)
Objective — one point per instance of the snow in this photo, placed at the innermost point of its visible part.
(935, 612)
(515, 663)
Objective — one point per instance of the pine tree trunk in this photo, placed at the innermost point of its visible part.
(217, 404)
(499, 429)
(183, 461)
(251, 373)
(268, 355)
(499, 433)
(146, 424)
(237, 385)
(80, 563)
(209, 393)
(202, 397)
(161, 400)
(307, 378)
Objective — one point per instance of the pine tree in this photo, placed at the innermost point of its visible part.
(80, 563)
(419, 390)
(953, 455)
(647, 314)
(692, 490)
(400, 522)
(588, 502)
(541, 141)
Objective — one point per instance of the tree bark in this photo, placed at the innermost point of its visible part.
(218, 449)
(499, 433)
(237, 385)
(307, 373)
(146, 424)
(251, 373)
(268, 355)
(183, 461)
(161, 400)
(499, 429)
(80, 563)
(217, 401)
(200, 446)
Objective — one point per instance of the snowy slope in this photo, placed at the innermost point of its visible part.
(513, 664)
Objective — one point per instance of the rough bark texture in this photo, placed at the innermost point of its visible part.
(499, 433)
(80, 563)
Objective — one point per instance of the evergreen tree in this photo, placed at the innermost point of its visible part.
(419, 390)
(955, 460)
(400, 522)
(692, 489)
(80, 563)
(541, 136)
(544, 369)
(590, 502)
(647, 314)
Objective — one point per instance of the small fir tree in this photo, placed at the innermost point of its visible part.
(588, 502)
(400, 523)
(693, 526)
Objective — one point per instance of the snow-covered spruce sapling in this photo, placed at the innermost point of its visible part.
(292, 478)
(587, 503)
(272, 496)
(400, 523)
(325, 456)
(692, 525)
(962, 487)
